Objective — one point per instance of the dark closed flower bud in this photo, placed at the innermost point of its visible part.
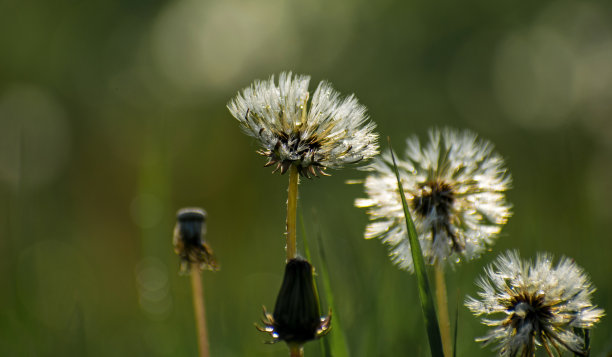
(296, 317)
(189, 241)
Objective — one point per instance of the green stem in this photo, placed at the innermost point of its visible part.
(200, 312)
(296, 351)
(292, 212)
(442, 302)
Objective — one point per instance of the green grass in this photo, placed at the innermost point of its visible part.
(425, 294)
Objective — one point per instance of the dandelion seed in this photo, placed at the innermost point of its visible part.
(455, 189)
(332, 133)
(296, 319)
(536, 304)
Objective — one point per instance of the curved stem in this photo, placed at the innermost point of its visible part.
(200, 312)
(442, 302)
(292, 212)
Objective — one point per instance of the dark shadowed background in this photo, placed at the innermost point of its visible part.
(112, 116)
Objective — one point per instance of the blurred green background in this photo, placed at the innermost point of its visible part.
(112, 116)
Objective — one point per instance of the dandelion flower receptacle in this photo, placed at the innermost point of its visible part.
(455, 188)
(296, 318)
(331, 133)
(533, 304)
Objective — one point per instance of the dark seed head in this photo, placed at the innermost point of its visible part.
(529, 309)
(434, 196)
(306, 151)
(435, 201)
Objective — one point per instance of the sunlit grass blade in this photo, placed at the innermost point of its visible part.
(304, 238)
(336, 337)
(322, 342)
(425, 294)
(456, 327)
(334, 344)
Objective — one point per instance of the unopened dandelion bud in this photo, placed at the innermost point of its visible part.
(296, 318)
(189, 241)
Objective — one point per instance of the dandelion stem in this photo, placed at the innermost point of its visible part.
(442, 302)
(200, 313)
(296, 351)
(292, 212)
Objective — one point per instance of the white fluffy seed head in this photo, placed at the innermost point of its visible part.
(326, 131)
(529, 304)
(455, 188)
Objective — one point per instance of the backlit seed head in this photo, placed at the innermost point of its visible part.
(293, 129)
(530, 305)
(455, 188)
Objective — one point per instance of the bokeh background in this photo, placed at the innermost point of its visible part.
(112, 116)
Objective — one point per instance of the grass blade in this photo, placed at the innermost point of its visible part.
(456, 327)
(425, 295)
(334, 344)
(336, 337)
(304, 238)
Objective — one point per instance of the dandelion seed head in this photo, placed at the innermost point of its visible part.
(530, 304)
(455, 188)
(325, 132)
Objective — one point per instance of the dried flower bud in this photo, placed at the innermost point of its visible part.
(296, 317)
(189, 241)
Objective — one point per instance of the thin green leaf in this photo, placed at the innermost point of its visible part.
(304, 238)
(326, 348)
(456, 334)
(324, 343)
(337, 338)
(425, 295)
(334, 344)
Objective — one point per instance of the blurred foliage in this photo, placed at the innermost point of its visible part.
(112, 116)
